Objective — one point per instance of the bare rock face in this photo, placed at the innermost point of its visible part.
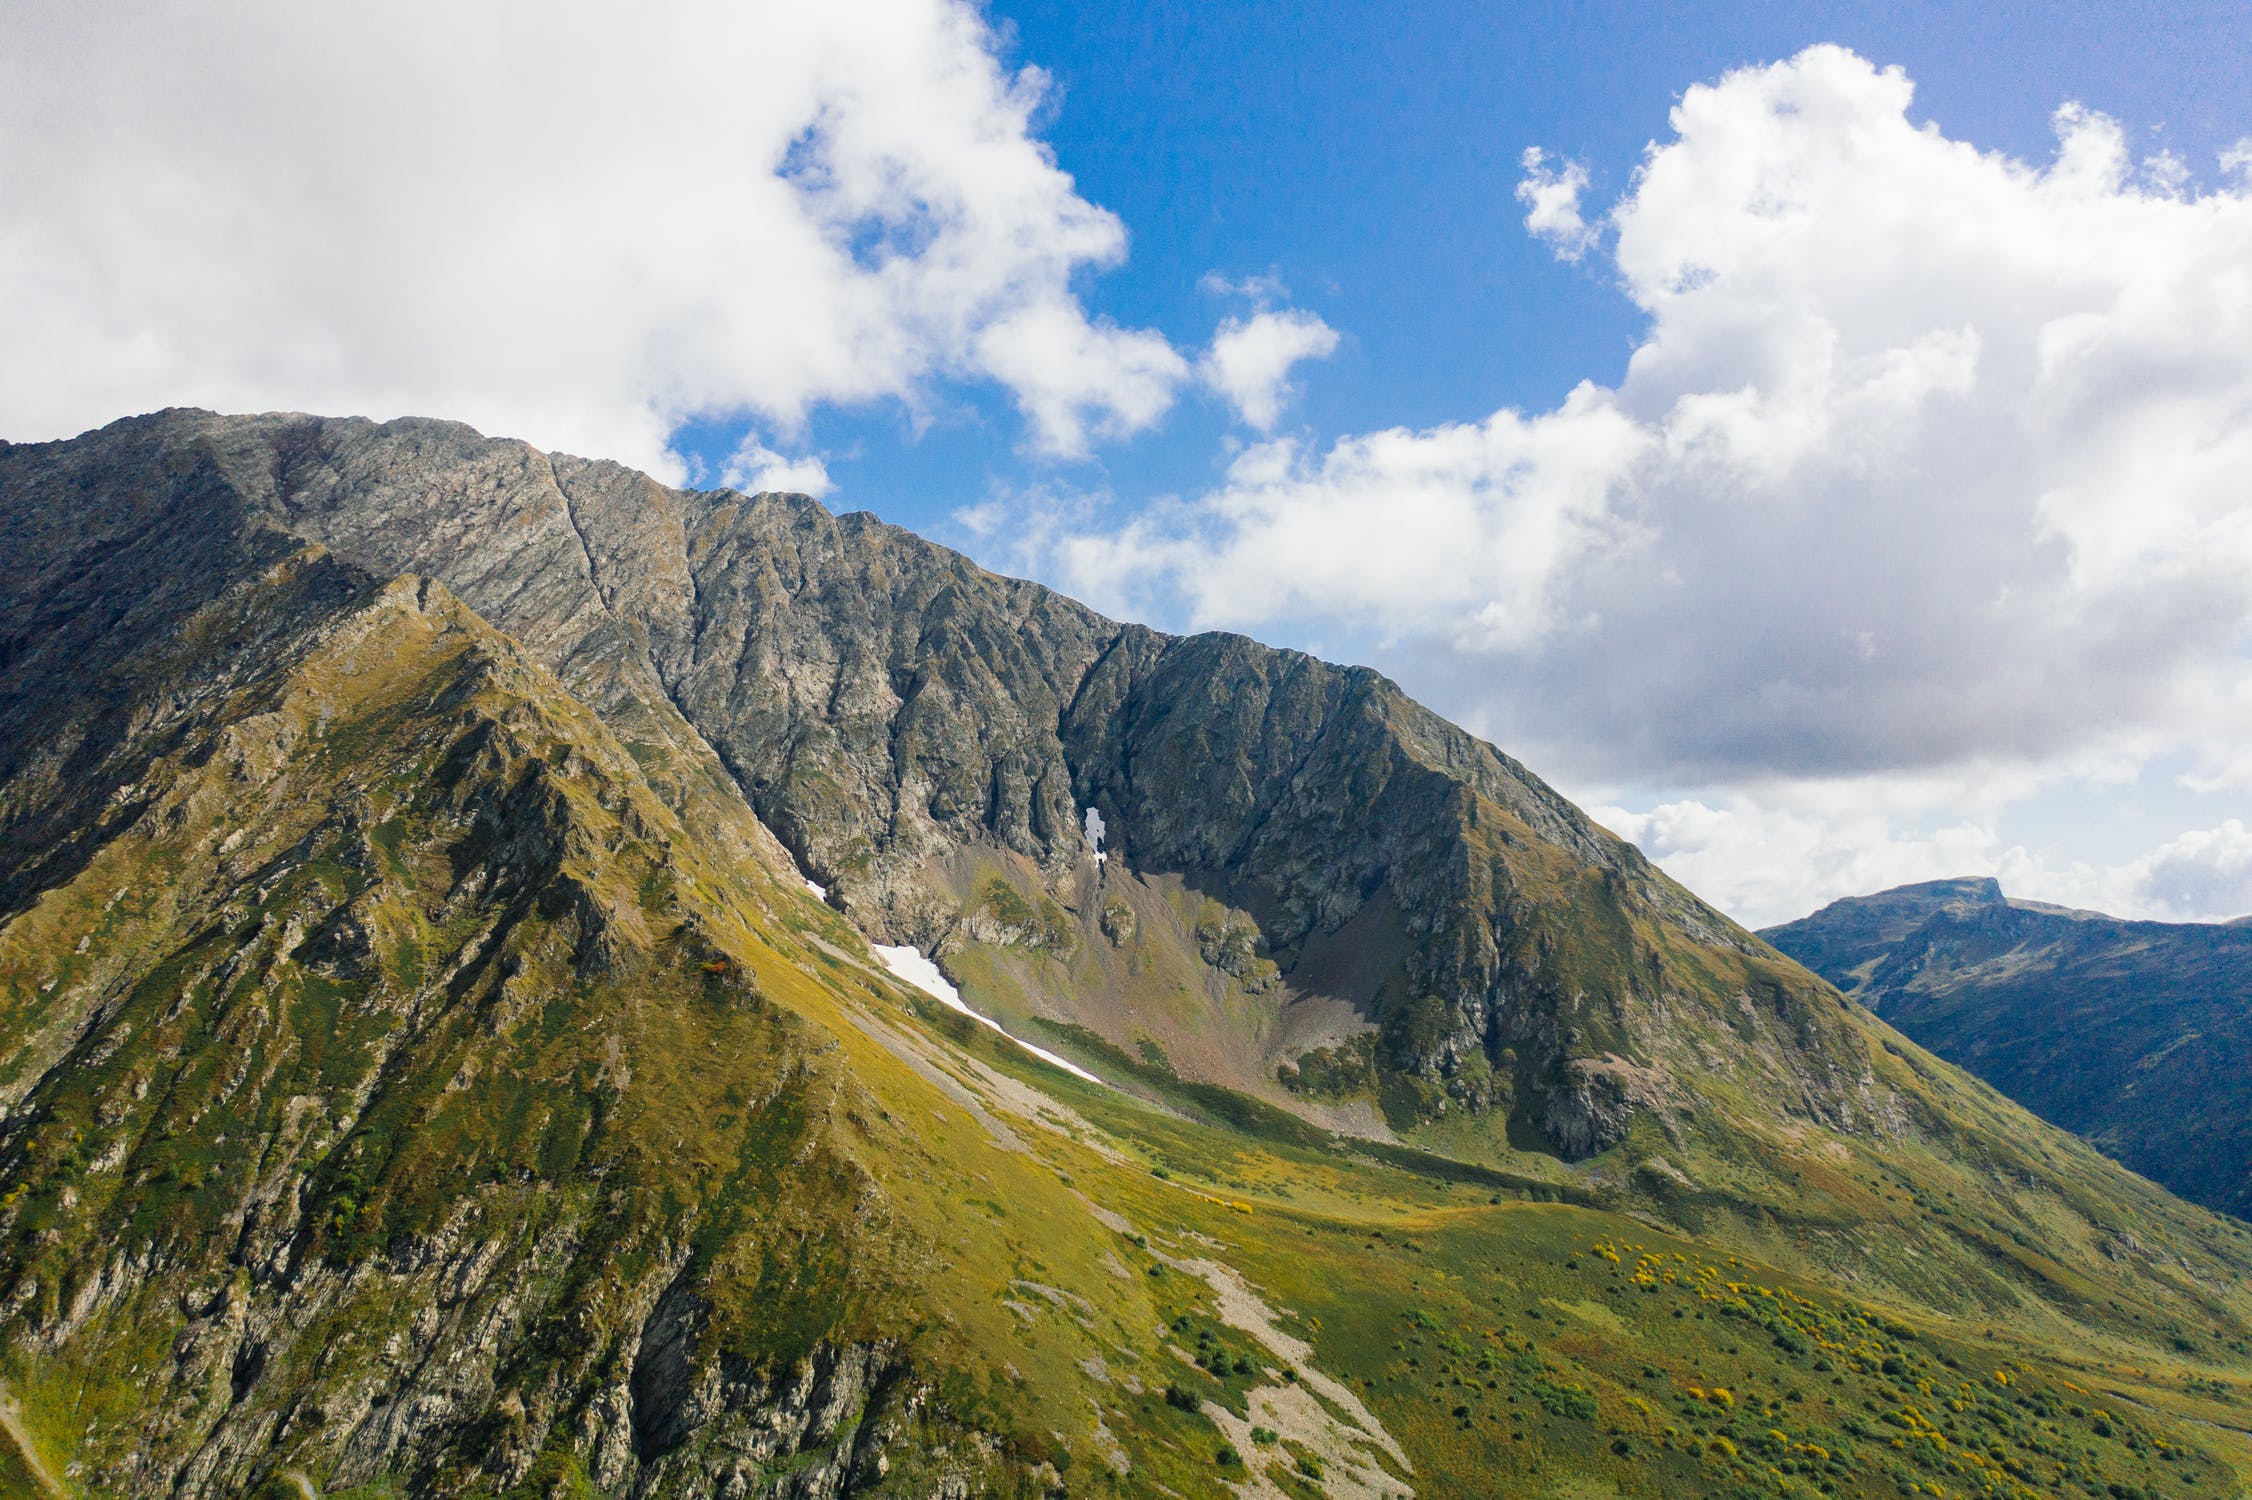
(728, 1424)
(884, 704)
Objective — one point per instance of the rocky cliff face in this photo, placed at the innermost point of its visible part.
(886, 707)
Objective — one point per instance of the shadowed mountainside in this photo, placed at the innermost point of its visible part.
(2133, 1034)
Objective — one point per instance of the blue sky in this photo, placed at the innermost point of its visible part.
(1367, 155)
(1825, 460)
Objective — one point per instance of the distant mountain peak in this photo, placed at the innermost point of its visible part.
(2129, 1032)
(1978, 888)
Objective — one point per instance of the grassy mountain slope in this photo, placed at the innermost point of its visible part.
(423, 1071)
(405, 1095)
(2130, 1033)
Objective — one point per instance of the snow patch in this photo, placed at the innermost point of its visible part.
(820, 891)
(1095, 829)
(909, 963)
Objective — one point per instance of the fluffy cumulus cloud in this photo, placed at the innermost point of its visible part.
(1926, 454)
(575, 222)
(1250, 360)
(1072, 376)
(1928, 458)
(1931, 460)
(754, 468)
(2204, 873)
(1465, 526)
(1778, 852)
(1551, 195)
(1767, 859)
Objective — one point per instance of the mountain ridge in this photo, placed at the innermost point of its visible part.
(865, 771)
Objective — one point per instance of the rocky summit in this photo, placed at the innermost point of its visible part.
(507, 982)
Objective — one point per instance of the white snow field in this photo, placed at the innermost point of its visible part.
(909, 964)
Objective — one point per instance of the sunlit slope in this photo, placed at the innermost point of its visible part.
(1726, 1090)
(404, 1092)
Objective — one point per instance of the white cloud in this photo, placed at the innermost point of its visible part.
(573, 222)
(1250, 360)
(2205, 873)
(1551, 196)
(1263, 289)
(1768, 860)
(1075, 379)
(1472, 521)
(1773, 853)
(1018, 530)
(755, 468)
(1928, 457)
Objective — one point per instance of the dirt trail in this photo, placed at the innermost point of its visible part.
(1317, 1412)
(12, 1432)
